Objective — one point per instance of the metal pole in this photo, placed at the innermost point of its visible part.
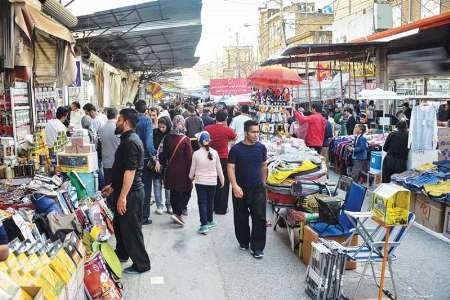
(354, 80)
(307, 81)
(340, 73)
(318, 79)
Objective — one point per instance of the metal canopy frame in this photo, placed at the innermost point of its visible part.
(150, 38)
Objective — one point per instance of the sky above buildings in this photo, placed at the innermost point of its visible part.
(221, 20)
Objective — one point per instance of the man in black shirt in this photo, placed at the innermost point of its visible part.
(127, 189)
(351, 121)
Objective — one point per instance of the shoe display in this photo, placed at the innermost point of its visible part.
(257, 254)
(159, 211)
(212, 224)
(177, 219)
(203, 229)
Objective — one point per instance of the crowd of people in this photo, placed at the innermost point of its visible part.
(166, 151)
(162, 153)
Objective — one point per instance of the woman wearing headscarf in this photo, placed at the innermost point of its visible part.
(159, 133)
(205, 169)
(176, 158)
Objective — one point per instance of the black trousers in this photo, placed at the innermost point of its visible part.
(107, 172)
(392, 165)
(128, 231)
(179, 201)
(252, 204)
(205, 199)
(222, 194)
(147, 180)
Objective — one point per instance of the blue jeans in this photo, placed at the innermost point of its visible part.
(157, 190)
(205, 195)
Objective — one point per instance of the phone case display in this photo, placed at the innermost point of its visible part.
(273, 119)
(15, 111)
(46, 103)
(5, 109)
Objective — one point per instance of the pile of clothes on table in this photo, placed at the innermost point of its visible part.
(431, 178)
(340, 154)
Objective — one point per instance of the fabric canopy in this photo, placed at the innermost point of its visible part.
(28, 18)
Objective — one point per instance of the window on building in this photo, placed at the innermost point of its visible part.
(397, 15)
(429, 8)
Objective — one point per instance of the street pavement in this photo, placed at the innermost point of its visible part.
(187, 265)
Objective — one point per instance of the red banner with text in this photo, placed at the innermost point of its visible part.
(229, 87)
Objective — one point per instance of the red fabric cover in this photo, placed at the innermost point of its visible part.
(276, 198)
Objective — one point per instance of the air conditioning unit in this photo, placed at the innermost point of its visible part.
(382, 14)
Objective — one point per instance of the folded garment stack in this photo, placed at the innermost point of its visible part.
(431, 178)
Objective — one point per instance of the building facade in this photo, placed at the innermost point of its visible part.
(302, 22)
(358, 18)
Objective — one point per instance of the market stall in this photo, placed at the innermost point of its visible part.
(58, 225)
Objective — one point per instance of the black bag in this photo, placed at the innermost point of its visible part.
(151, 164)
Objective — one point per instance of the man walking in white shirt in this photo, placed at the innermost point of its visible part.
(54, 126)
(238, 123)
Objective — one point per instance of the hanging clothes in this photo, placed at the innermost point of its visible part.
(423, 128)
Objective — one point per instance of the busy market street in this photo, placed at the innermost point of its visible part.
(224, 149)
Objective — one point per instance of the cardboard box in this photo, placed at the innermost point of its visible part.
(70, 149)
(418, 158)
(86, 148)
(390, 204)
(310, 236)
(80, 162)
(34, 292)
(77, 141)
(429, 213)
(446, 229)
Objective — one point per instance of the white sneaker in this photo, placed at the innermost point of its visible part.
(159, 211)
(170, 211)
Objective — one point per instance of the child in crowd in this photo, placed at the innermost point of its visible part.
(359, 155)
(205, 169)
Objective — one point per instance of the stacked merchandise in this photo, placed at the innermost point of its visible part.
(296, 174)
(46, 103)
(290, 161)
(430, 194)
(432, 179)
(325, 270)
(58, 242)
(54, 268)
(340, 154)
(80, 155)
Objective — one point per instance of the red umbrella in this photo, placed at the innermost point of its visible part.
(275, 77)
